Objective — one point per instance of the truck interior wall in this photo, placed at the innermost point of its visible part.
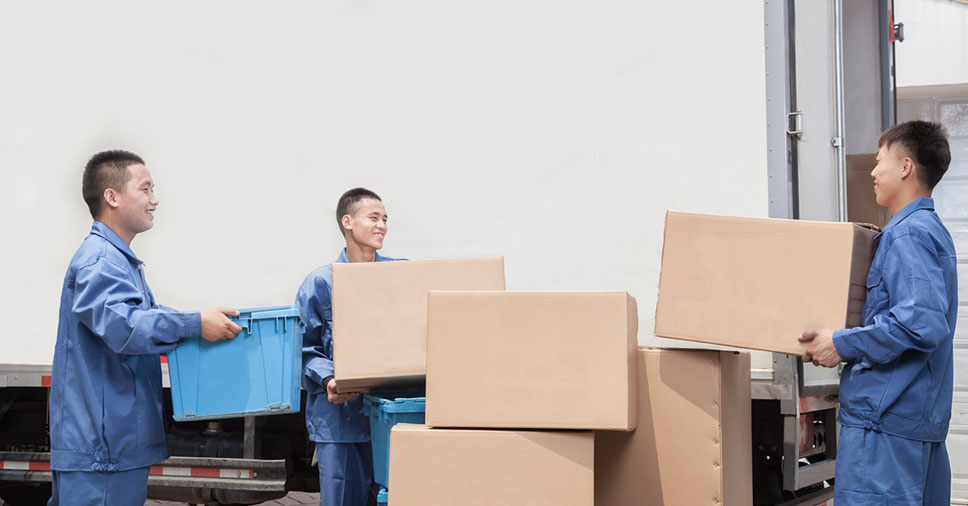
(554, 133)
(862, 75)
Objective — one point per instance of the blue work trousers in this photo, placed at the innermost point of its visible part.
(874, 468)
(345, 473)
(83, 488)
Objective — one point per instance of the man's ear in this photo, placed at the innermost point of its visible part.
(111, 198)
(347, 222)
(907, 167)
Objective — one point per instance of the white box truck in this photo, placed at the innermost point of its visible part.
(553, 133)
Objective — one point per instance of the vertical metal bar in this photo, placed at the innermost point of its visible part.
(794, 154)
(832, 434)
(791, 452)
(780, 183)
(840, 141)
(886, 51)
(250, 439)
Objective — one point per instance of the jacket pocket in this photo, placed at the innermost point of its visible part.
(876, 299)
(874, 279)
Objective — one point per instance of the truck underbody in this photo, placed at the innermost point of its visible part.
(233, 461)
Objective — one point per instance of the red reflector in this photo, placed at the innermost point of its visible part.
(155, 470)
(890, 26)
(45, 381)
(39, 466)
(164, 359)
(206, 472)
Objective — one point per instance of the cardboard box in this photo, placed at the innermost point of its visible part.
(540, 360)
(380, 315)
(445, 467)
(693, 444)
(759, 283)
(861, 201)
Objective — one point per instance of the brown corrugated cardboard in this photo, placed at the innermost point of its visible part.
(861, 202)
(541, 360)
(445, 467)
(380, 315)
(759, 283)
(693, 441)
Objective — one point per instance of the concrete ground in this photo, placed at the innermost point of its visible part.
(293, 499)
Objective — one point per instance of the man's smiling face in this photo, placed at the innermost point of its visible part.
(368, 223)
(137, 201)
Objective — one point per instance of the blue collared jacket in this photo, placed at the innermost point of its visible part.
(325, 421)
(105, 393)
(899, 373)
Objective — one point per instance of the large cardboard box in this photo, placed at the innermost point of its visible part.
(759, 283)
(861, 201)
(445, 467)
(380, 315)
(543, 360)
(693, 442)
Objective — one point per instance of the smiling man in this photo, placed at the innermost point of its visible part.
(106, 425)
(896, 390)
(335, 421)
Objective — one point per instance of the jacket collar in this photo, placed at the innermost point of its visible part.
(343, 260)
(101, 230)
(908, 210)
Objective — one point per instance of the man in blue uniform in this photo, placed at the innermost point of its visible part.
(895, 391)
(335, 421)
(106, 426)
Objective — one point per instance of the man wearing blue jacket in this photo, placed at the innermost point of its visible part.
(896, 389)
(335, 421)
(106, 425)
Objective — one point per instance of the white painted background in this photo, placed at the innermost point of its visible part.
(555, 133)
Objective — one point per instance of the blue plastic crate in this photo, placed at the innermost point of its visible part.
(386, 410)
(256, 373)
(382, 498)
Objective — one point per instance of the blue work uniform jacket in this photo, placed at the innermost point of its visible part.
(325, 421)
(899, 374)
(105, 393)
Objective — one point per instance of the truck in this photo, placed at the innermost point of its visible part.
(555, 134)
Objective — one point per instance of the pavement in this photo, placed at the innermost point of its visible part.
(293, 499)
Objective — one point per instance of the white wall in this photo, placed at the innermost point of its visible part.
(935, 48)
(553, 132)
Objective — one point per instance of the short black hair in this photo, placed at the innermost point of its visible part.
(926, 143)
(107, 169)
(347, 202)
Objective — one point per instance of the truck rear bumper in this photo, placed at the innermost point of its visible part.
(184, 472)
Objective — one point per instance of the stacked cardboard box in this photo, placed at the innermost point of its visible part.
(380, 315)
(861, 201)
(430, 467)
(693, 442)
(531, 360)
(503, 369)
(518, 382)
